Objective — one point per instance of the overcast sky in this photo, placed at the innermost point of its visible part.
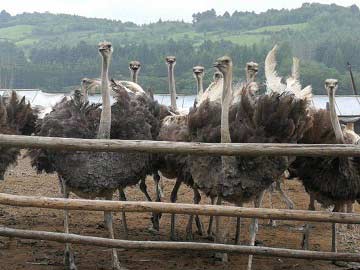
(144, 11)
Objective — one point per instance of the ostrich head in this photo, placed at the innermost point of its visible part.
(217, 76)
(331, 86)
(224, 64)
(89, 86)
(170, 60)
(105, 49)
(198, 71)
(134, 66)
(252, 69)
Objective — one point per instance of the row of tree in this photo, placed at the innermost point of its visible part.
(60, 69)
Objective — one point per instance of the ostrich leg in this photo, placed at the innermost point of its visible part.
(338, 208)
(159, 196)
(122, 197)
(199, 225)
(270, 191)
(254, 227)
(173, 198)
(211, 219)
(284, 197)
(350, 209)
(154, 217)
(109, 225)
(289, 203)
(220, 234)
(238, 226)
(159, 190)
(69, 259)
(305, 241)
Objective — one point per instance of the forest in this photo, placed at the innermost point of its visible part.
(54, 51)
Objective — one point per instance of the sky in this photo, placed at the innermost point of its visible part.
(145, 11)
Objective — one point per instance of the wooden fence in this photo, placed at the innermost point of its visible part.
(213, 210)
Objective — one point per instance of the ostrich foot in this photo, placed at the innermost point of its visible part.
(69, 260)
(101, 226)
(221, 257)
(341, 264)
(272, 223)
(152, 230)
(116, 265)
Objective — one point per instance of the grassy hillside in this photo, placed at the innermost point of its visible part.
(54, 51)
(26, 36)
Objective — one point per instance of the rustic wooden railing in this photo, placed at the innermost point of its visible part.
(67, 144)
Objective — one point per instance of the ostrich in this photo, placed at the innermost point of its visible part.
(175, 128)
(91, 85)
(329, 180)
(199, 76)
(134, 67)
(171, 62)
(269, 118)
(16, 118)
(214, 91)
(274, 84)
(97, 174)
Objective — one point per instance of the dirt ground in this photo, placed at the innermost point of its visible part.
(18, 254)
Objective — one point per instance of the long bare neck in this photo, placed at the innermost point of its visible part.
(334, 119)
(134, 75)
(200, 86)
(249, 78)
(105, 120)
(3, 113)
(225, 105)
(172, 88)
(84, 92)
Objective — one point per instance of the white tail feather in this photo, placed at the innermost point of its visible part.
(273, 81)
(293, 85)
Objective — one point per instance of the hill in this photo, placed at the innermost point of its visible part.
(54, 51)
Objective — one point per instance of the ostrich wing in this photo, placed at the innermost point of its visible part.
(273, 81)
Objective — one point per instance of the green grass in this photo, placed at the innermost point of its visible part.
(240, 39)
(278, 28)
(16, 33)
(26, 42)
(23, 37)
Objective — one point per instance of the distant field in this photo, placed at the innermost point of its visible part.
(278, 28)
(16, 33)
(23, 35)
(244, 39)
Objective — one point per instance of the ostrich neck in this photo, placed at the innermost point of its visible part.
(250, 77)
(172, 88)
(105, 120)
(134, 76)
(3, 117)
(200, 87)
(226, 98)
(84, 92)
(334, 118)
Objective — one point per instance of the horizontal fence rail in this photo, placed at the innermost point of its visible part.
(241, 149)
(178, 208)
(152, 245)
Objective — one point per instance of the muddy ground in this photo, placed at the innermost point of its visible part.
(18, 254)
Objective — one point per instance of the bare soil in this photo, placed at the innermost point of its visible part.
(18, 254)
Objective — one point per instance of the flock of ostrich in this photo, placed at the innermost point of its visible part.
(223, 112)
